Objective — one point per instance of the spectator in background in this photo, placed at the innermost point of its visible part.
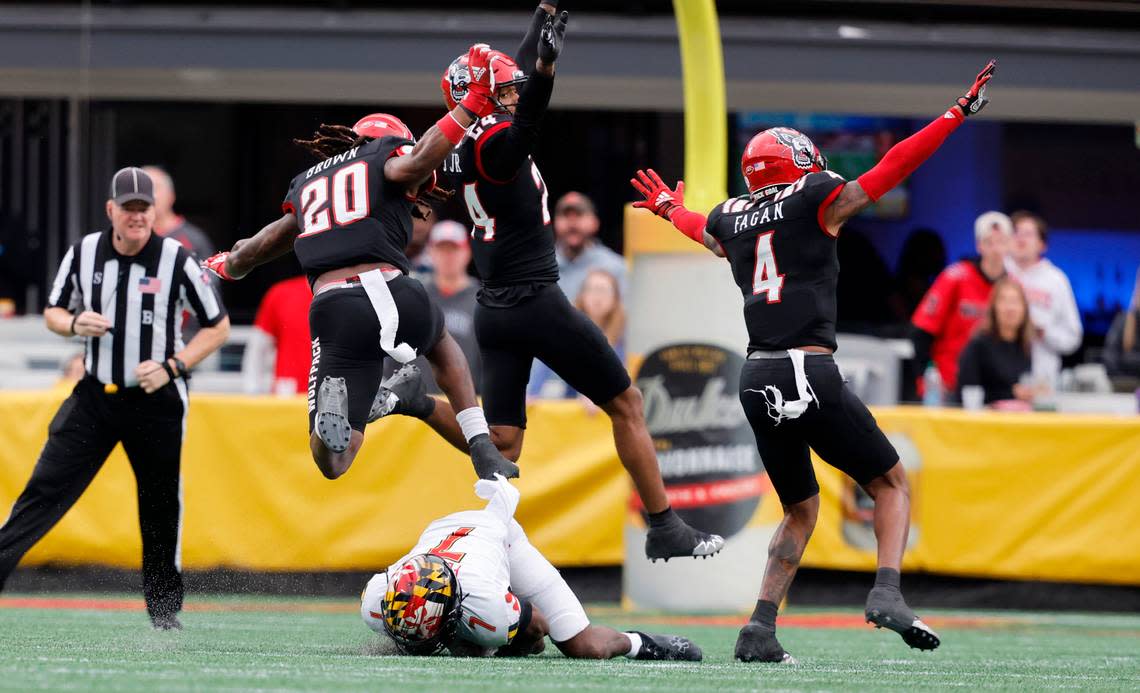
(945, 320)
(600, 299)
(998, 355)
(1052, 306)
(922, 257)
(279, 352)
(578, 251)
(170, 223)
(449, 252)
(1122, 344)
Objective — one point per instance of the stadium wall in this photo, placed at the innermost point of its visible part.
(1031, 497)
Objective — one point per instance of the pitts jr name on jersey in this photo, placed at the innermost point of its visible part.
(784, 262)
(453, 165)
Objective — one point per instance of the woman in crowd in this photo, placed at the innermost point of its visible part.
(998, 355)
(600, 299)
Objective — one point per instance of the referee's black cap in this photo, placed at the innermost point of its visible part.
(132, 183)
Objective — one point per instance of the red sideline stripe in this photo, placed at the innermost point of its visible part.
(712, 492)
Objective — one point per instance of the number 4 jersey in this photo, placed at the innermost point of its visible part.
(349, 213)
(784, 262)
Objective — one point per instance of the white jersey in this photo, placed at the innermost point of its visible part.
(1053, 309)
(496, 567)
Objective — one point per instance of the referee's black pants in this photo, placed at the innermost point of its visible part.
(81, 436)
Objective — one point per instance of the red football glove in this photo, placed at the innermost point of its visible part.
(659, 199)
(217, 264)
(481, 85)
(975, 99)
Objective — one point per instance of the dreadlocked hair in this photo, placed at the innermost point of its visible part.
(423, 207)
(330, 140)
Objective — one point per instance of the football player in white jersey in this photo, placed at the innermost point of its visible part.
(475, 585)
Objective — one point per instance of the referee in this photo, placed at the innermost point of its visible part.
(124, 290)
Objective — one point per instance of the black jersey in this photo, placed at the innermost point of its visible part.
(513, 240)
(349, 213)
(784, 262)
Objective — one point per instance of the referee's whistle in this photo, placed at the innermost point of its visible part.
(110, 388)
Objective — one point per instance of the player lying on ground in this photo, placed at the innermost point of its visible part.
(780, 242)
(349, 218)
(522, 314)
(474, 584)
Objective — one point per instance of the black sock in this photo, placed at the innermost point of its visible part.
(887, 577)
(663, 518)
(764, 613)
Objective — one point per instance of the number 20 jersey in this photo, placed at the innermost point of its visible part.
(784, 262)
(349, 213)
(513, 240)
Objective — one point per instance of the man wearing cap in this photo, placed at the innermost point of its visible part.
(449, 249)
(123, 290)
(576, 248)
(945, 319)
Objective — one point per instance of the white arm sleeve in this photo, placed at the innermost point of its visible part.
(534, 579)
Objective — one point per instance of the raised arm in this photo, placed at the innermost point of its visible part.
(906, 156)
(527, 52)
(503, 151)
(670, 204)
(430, 151)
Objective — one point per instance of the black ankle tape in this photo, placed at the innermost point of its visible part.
(887, 577)
(764, 613)
(664, 517)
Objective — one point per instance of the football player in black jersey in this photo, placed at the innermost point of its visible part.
(779, 240)
(521, 313)
(349, 218)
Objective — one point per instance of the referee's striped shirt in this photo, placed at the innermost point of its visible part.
(143, 296)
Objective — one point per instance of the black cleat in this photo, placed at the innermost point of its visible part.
(887, 609)
(166, 622)
(678, 540)
(668, 648)
(332, 414)
(403, 392)
(759, 644)
(488, 461)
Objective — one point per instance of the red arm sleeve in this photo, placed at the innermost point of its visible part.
(903, 158)
(937, 304)
(690, 223)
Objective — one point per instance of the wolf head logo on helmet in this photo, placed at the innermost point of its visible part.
(504, 73)
(777, 157)
(421, 605)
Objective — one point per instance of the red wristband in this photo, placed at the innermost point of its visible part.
(451, 128)
(906, 156)
(690, 223)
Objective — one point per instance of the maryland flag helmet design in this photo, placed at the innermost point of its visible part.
(421, 605)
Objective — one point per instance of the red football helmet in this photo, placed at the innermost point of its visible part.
(504, 72)
(779, 156)
(379, 125)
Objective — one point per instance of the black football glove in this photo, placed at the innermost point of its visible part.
(550, 40)
(975, 99)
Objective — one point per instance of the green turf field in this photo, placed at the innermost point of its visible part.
(84, 642)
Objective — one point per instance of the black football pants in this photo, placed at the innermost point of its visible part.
(81, 436)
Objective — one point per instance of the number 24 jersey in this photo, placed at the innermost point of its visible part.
(784, 262)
